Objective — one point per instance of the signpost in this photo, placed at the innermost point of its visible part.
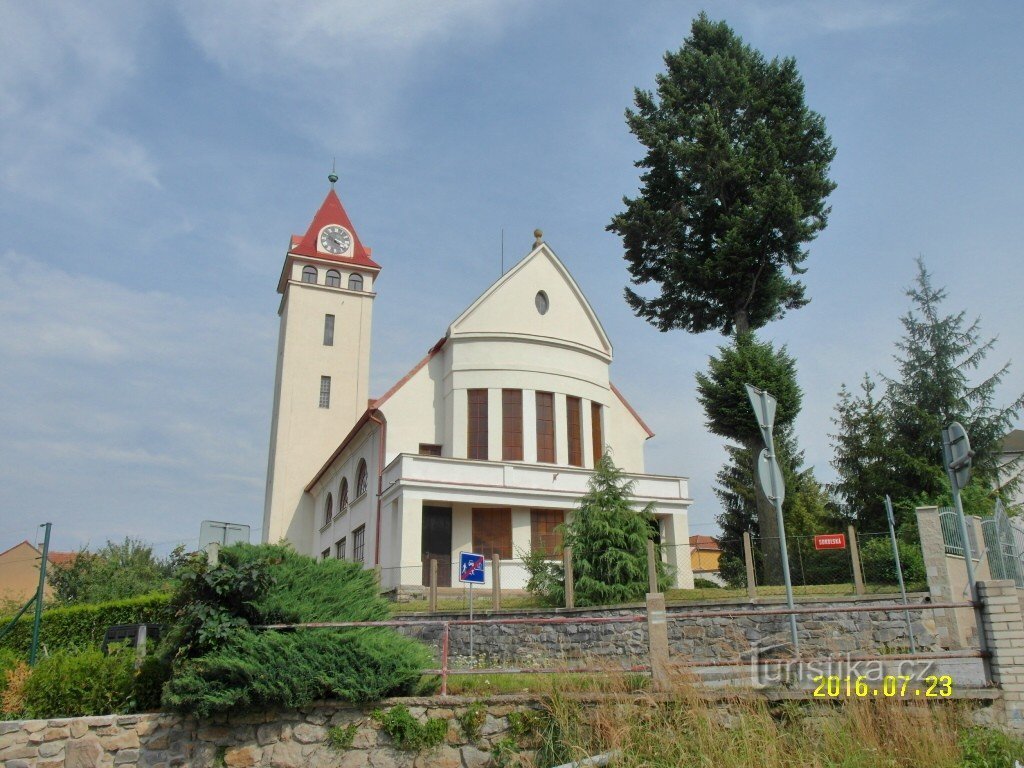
(957, 453)
(471, 571)
(770, 477)
(899, 568)
(830, 541)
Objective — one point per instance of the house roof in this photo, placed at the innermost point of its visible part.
(332, 212)
(1014, 442)
(706, 543)
(59, 558)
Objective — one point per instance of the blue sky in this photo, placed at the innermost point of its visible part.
(155, 157)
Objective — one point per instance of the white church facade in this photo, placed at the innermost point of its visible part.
(485, 445)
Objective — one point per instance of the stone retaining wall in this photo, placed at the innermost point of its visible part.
(281, 739)
(709, 637)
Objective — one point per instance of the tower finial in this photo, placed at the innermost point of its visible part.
(538, 237)
(332, 176)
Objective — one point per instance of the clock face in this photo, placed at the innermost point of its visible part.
(335, 239)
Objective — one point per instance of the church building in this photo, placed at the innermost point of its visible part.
(484, 446)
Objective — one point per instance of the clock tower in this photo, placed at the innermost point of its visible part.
(327, 288)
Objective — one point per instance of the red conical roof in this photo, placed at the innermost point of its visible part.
(333, 212)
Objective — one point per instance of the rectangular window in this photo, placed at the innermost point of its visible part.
(325, 391)
(358, 535)
(328, 330)
(430, 449)
(512, 425)
(543, 537)
(492, 532)
(597, 431)
(574, 426)
(546, 427)
(339, 549)
(476, 444)
(325, 554)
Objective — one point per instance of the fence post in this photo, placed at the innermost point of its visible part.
(1004, 628)
(858, 575)
(948, 622)
(570, 597)
(657, 639)
(433, 585)
(748, 559)
(495, 583)
(652, 568)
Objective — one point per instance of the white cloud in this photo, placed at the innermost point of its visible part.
(60, 69)
(340, 65)
(129, 411)
(793, 17)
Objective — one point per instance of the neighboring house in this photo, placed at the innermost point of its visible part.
(1012, 460)
(704, 555)
(485, 445)
(19, 571)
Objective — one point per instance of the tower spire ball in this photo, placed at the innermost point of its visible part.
(538, 236)
(332, 176)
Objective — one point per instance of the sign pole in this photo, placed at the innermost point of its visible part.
(956, 450)
(899, 568)
(40, 591)
(764, 407)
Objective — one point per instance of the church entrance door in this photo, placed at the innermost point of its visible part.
(437, 544)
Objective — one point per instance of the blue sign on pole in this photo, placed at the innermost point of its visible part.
(471, 568)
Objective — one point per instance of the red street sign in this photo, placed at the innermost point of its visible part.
(830, 541)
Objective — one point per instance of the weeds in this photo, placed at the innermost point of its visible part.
(471, 721)
(407, 732)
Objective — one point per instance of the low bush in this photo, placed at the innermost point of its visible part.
(83, 626)
(407, 732)
(699, 583)
(879, 565)
(221, 661)
(89, 682)
(12, 700)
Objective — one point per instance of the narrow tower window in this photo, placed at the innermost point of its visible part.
(328, 330)
(476, 443)
(546, 427)
(343, 496)
(355, 282)
(309, 275)
(358, 538)
(325, 391)
(334, 278)
(512, 425)
(574, 427)
(598, 431)
(328, 509)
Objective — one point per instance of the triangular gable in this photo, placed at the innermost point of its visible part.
(508, 306)
(333, 212)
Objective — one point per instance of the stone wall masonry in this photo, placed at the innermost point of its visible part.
(280, 739)
(709, 637)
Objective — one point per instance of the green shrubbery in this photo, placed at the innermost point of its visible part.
(879, 565)
(220, 660)
(90, 682)
(83, 626)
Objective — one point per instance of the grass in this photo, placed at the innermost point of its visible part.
(688, 730)
(485, 685)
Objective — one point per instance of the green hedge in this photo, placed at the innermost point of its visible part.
(83, 626)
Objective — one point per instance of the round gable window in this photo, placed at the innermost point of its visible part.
(542, 303)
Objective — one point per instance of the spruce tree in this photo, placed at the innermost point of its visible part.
(864, 457)
(734, 184)
(937, 356)
(723, 394)
(609, 541)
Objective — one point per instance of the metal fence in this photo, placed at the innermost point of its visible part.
(1003, 546)
(951, 535)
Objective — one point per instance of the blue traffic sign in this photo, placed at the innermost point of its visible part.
(471, 568)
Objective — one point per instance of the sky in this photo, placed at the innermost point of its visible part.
(155, 157)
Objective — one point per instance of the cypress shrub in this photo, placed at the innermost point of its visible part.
(89, 682)
(83, 626)
(221, 661)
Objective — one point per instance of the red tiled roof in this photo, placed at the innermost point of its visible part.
(333, 212)
(705, 542)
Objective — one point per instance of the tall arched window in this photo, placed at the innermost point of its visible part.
(361, 478)
(343, 496)
(328, 509)
(334, 278)
(355, 282)
(309, 274)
